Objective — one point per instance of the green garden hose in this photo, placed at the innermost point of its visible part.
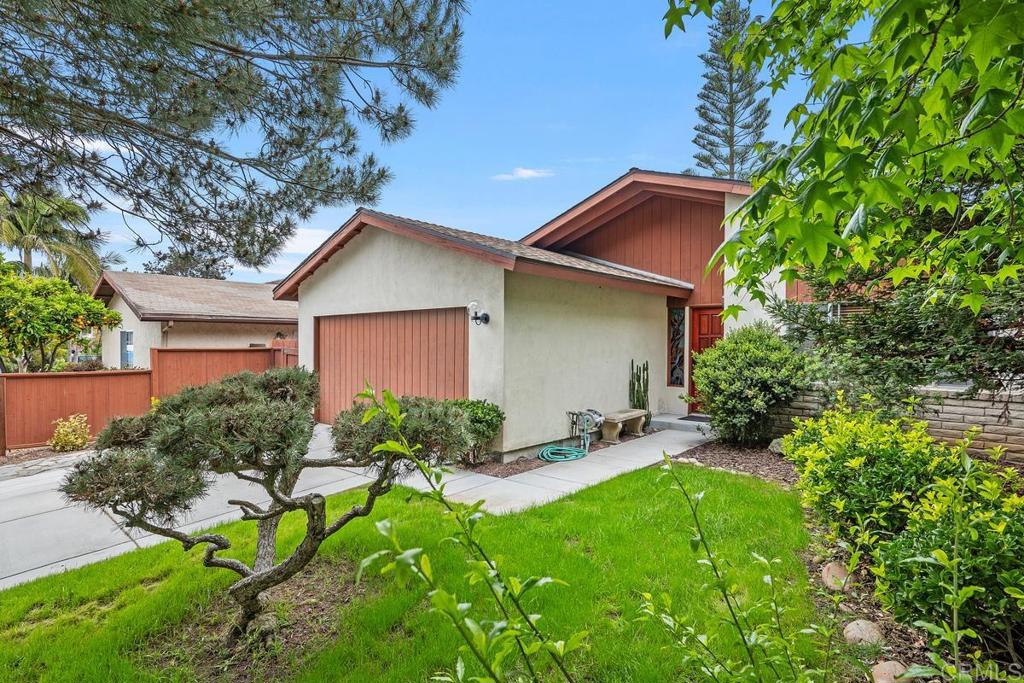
(566, 453)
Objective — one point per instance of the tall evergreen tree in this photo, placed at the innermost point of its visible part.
(732, 117)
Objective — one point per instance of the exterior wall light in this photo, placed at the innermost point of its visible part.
(473, 308)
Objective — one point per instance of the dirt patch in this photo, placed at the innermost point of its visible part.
(507, 469)
(503, 470)
(306, 606)
(37, 453)
(757, 461)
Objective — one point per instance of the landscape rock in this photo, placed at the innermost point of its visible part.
(835, 576)
(887, 672)
(775, 447)
(863, 632)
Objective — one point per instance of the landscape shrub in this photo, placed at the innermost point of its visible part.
(84, 366)
(154, 469)
(70, 434)
(742, 377)
(129, 431)
(980, 518)
(441, 429)
(485, 421)
(858, 469)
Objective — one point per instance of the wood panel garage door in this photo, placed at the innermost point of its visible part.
(412, 353)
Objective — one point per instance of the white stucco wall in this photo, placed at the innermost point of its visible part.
(180, 335)
(381, 271)
(223, 335)
(568, 347)
(147, 335)
(753, 311)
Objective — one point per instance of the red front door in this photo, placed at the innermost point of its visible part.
(705, 330)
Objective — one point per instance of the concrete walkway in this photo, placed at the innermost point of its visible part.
(40, 533)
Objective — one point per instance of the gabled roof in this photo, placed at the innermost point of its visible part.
(622, 194)
(507, 254)
(152, 296)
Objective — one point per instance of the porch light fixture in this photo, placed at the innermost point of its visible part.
(473, 308)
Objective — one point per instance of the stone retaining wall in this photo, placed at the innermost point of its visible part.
(948, 416)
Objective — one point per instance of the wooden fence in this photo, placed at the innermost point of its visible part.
(30, 402)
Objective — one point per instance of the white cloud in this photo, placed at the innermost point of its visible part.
(520, 173)
(305, 241)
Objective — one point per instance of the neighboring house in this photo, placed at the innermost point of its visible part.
(619, 276)
(185, 312)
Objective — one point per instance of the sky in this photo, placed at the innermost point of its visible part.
(554, 100)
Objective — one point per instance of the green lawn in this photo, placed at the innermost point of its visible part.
(610, 542)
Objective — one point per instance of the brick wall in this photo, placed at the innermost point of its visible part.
(1001, 421)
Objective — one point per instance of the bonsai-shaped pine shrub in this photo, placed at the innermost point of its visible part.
(485, 421)
(964, 541)
(440, 428)
(150, 470)
(742, 377)
(859, 470)
(70, 433)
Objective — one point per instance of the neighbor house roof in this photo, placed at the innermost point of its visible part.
(170, 297)
(508, 254)
(625, 192)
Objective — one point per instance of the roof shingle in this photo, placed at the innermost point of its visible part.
(518, 250)
(154, 296)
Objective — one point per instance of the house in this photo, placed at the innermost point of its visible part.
(541, 326)
(170, 311)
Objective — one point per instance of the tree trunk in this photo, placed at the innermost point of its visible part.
(266, 543)
(266, 529)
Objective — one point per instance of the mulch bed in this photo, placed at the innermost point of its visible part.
(759, 462)
(503, 470)
(903, 643)
(306, 605)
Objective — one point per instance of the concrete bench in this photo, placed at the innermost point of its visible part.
(631, 420)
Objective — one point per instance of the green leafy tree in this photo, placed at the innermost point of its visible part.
(895, 127)
(218, 122)
(57, 228)
(40, 316)
(890, 341)
(732, 116)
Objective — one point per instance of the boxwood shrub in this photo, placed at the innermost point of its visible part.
(485, 421)
(742, 377)
(440, 427)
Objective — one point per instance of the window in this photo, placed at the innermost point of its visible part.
(677, 347)
(127, 349)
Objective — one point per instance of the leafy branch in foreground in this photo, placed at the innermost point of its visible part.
(497, 644)
(913, 115)
(772, 651)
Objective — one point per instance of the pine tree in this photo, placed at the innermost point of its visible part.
(732, 118)
(220, 122)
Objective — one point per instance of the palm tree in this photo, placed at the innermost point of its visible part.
(57, 228)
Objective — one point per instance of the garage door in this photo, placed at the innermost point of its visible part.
(414, 353)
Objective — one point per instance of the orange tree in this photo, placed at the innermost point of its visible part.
(39, 316)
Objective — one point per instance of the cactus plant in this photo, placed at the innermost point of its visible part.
(639, 389)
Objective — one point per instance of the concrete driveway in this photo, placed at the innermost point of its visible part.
(40, 533)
